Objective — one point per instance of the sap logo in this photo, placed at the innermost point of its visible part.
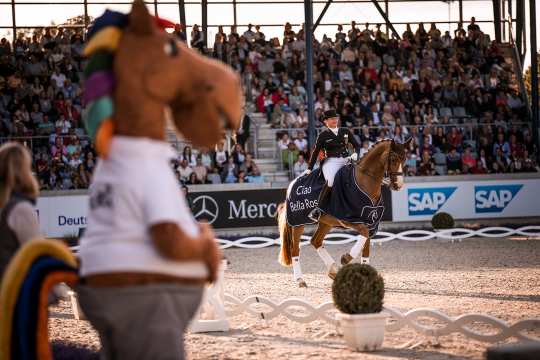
(494, 198)
(427, 201)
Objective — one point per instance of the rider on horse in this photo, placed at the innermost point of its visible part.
(333, 140)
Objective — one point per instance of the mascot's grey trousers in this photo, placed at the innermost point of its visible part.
(141, 322)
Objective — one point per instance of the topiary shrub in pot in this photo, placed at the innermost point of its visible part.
(358, 293)
(442, 221)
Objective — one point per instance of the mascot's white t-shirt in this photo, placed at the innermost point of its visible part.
(133, 189)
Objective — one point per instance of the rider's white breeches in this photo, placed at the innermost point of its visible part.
(331, 167)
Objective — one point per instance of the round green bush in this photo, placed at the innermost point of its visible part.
(442, 220)
(358, 289)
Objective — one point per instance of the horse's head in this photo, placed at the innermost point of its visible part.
(154, 71)
(396, 160)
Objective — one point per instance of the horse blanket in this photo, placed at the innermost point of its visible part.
(302, 196)
(346, 202)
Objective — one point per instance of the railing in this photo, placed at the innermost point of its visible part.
(34, 141)
(467, 128)
(518, 68)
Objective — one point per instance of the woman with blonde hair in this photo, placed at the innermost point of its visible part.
(18, 193)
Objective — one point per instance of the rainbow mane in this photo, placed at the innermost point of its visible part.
(103, 39)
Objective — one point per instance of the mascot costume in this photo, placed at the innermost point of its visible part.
(143, 260)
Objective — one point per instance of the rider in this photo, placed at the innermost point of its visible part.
(333, 140)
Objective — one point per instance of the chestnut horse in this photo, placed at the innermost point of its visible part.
(385, 157)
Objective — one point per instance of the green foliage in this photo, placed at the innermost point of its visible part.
(358, 289)
(442, 220)
(527, 77)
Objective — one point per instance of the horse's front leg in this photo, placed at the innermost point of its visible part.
(361, 246)
(317, 242)
(297, 269)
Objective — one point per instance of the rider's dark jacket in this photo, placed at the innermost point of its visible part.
(333, 146)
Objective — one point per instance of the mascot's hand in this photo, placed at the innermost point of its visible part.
(212, 253)
(354, 156)
(306, 172)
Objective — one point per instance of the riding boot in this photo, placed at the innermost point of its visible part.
(323, 196)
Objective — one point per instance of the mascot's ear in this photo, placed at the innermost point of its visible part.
(140, 21)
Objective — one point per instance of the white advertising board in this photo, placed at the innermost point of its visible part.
(62, 216)
(467, 199)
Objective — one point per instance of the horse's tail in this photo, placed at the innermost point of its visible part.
(285, 235)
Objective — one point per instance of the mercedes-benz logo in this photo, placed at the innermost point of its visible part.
(205, 208)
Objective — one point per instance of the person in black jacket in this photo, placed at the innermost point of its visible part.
(333, 140)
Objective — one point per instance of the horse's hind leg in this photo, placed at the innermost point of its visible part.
(317, 242)
(360, 246)
(297, 269)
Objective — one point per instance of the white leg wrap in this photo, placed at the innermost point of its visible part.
(297, 270)
(357, 248)
(325, 256)
(365, 260)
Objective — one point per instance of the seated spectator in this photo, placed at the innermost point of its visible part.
(184, 170)
(200, 170)
(238, 154)
(283, 142)
(301, 142)
(193, 180)
(410, 163)
(255, 176)
(241, 177)
(289, 156)
(229, 173)
(248, 165)
(300, 165)
(479, 168)
(214, 177)
(189, 156)
(439, 159)
(453, 162)
(468, 159)
(221, 156)
(426, 166)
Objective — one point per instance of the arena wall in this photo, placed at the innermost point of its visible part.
(237, 206)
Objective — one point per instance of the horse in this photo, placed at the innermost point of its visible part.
(385, 157)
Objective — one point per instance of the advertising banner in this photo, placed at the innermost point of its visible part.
(467, 199)
(65, 216)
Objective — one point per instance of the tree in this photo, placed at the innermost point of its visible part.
(78, 21)
(527, 77)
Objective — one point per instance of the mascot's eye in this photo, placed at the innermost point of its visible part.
(171, 48)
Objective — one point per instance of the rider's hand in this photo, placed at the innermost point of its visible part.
(212, 253)
(306, 172)
(354, 156)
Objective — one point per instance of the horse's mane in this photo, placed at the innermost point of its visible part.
(371, 150)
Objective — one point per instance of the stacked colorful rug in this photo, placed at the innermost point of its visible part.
(24, 297)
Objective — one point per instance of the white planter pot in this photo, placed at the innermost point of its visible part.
(363, 332)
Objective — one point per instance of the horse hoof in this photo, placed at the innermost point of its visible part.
(301, 283)
(332, 272)
(346, 258)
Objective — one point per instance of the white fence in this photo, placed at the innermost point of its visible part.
(445, 325)
(256, 242)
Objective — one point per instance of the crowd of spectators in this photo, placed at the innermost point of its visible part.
(217, 166)
(452, 93)
(40, 105)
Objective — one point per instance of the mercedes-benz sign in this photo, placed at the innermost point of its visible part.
(205, 208)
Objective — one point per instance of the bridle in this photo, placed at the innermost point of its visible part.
(391, 175)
